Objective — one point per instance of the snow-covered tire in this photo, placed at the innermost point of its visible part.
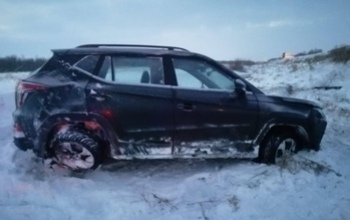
(76, 150)
(278, 146)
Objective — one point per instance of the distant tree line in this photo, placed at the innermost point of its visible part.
(237, 65)
(17, 64)
(313, 51)
(340, 54)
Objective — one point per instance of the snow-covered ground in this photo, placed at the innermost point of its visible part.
(314, 185)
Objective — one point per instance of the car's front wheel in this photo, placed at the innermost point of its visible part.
(279, 147)
(76, 150)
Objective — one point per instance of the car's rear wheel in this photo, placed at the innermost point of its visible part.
(277, 148)
(76, 150)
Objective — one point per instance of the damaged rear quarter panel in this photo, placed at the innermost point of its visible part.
(64, 93)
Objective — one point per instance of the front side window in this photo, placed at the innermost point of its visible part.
(199, 74)
(133, 70)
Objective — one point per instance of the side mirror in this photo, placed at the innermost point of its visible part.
(240, 88)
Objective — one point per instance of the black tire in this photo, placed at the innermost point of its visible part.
(270, 147)
(78, 144)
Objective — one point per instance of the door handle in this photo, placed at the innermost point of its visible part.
(99, 97)
(186, 107)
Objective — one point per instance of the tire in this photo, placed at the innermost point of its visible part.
(277, 147)
(76, 150)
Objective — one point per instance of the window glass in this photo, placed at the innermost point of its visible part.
(133, 70)
(200, 75)
(88, 63)
(57, 62)
(106, 69)
(185, 79)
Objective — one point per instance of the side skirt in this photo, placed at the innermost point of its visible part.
(198, 155)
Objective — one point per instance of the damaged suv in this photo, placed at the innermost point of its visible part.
(100, 101)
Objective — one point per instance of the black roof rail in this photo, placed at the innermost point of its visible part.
(131, 46)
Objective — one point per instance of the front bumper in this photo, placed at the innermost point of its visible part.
(23, 143)
(319, 123)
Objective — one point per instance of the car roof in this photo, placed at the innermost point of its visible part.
(126, 49)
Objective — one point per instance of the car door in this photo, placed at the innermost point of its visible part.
(210, 118)
(132, 95)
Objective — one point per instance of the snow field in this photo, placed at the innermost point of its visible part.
(314, 185)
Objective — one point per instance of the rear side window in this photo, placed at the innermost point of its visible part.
(88, 63)
(58, 62)
(133, 70)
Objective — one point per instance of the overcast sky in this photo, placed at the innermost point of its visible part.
(225, 29)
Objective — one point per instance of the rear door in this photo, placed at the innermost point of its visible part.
(210, 118)
(132, 95)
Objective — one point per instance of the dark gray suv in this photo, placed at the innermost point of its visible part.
(94, 102)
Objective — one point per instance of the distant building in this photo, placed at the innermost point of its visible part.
(287, 56)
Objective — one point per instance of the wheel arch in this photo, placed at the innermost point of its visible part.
(53, 123)
(295, 129)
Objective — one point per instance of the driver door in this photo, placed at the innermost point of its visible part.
(210, 118)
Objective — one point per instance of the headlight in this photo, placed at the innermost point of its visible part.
(318, 113)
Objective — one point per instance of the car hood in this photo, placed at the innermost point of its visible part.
(279, 99)
(297, 101)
